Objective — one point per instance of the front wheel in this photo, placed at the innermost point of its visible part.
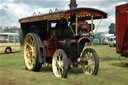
(89, 55)
(60, 64)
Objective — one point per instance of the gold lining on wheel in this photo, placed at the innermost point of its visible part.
(29, 52)
(89, 57)
(58, 64)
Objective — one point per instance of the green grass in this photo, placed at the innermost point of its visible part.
(12, 71)
(106, 51)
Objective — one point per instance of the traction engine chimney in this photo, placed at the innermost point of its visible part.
(72, 4)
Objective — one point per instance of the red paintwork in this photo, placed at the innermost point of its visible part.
(121, 24)
(60, 44)
(3, 41)
(50, 48)
(84, 13)
(87, 11)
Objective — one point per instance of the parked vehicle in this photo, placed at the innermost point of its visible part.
(9, 42)
(122, 29)
(60, 38)
(105, 38)
(112, 42)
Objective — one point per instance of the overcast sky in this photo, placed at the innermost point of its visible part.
(12, 10)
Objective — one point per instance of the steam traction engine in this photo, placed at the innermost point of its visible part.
(60, 38)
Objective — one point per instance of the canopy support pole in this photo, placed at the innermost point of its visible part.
(48, 25)
(70, 26)
(98, 25)
(76, 25)
(92, 25)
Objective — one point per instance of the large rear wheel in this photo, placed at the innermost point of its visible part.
(60, 64)
(89, 55)
(31, 52)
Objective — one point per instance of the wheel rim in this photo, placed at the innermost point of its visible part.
(58, 64)
(8, 50)
(29, 52)
(88, 56)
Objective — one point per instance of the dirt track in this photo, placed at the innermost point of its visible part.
(107, 59)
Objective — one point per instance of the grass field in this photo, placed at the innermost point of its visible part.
(112, 72)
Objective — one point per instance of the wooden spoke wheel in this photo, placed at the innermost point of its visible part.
(60, 64)
(89, 55)
(31, 56)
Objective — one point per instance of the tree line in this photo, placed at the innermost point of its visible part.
(112, 29)
(8, 29)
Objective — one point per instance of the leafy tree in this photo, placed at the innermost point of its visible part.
(13, 29)
(9, 29)
(112, 28)
(21, 37)
(5, 29)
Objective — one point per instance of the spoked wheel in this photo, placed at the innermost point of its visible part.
(31, 55)
(60, 64)
(89, 55)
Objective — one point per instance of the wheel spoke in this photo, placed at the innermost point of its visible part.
(30, 39)
(29, 45)
(59, 57)
(61, 64)
(33, 44)
(59, 71)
